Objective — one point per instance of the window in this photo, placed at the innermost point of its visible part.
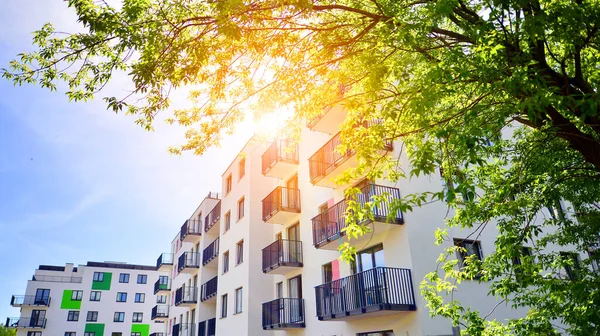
(138, 317)
(77, 295)
(526, 251)
(98, 276)
(161, 299)
(39, 333)
(95, 295)
(225, 262)
(327, 273)
(240, 208)
(594, 255)
(92, 316)
(89, 334)
(228, 184)
(142, 278)
(67, 333)
(136, 334)
(124, 278)
(42, 296)
(369, 258)
(140, 297)
(227, 221)
(73, 315)
(377, 333)
(240, 253)
(573, 267)
(223, 305)
(116, 334)
(279, 290)
(119, 317)
(470, 248)
(121, 297)
(238, 300)
(241, 168)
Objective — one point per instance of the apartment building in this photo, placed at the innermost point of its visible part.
(96, 299)
(269, 245)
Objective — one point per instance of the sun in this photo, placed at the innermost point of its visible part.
(268, 125)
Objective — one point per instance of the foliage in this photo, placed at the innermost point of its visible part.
(4, 331)
(500, 94)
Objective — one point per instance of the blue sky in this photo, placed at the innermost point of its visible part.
(80, 183)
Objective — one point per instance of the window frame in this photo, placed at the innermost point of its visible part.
(228, 184)
(225, 262)
(224, 305)
(117, 317)
(98, 277)
(123, 277)
(241, 168)
(142, 279)
(93, 317)
(120, 296)
(462, 255)
(77, 295)
(67, 333)
(241, 208)
(227, 221)
(73, 316)
(239, 300)
(95, 296)
(139, 298)
(137, 317)
(239, 252)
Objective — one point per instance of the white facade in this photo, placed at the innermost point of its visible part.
(52, 305)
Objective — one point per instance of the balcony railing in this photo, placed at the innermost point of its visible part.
(184, 329)
(210, 252)
(29, 300)
(208, 327)
(213, 217)
(377, 289)
(161, 285)
(281, 151)
(191, 227)
(190, 260)
(282, 253)
(157, 334)
(186, 295)
(160, 311)
(209, 289)
(283, 313)
(26, 322)
(165, 259)
(330, 224)
(53, 278)
(281, 199)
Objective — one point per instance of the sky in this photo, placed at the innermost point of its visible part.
(79, 183)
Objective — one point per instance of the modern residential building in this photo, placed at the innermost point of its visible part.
(99, 298)
(260, 257)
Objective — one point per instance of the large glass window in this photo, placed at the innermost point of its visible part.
(368, 259)
(124, 278)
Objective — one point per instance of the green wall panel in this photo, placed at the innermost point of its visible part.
(163, 286)
(67, 303)
(104, 284)
(96, 328)
(144, 329)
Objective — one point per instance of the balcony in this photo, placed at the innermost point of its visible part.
(280, 159)
(208, 327)
(29, 300)
(327, 163)
(378, 291)
(162, 286)
(330, 121)
(210, 254)
(25, 323)
(160, 312)
(186, 296)
(157, 334)
(282, 256)
(281, 206)
(208, 291)
(189, 262)
(53, 278)
(329, 226)
(283, 314)
(212, 219)
(191, 231)
(184, 329)
(164, 263)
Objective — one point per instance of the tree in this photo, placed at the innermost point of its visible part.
(4, 331)
(502, 95)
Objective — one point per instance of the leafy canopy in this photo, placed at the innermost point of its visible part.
(500, 94)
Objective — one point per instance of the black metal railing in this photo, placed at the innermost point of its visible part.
(162, 284)
(213, 217)
(53, 278)
(186, 295)
(175, 330)
(191, 227)
(25, 322)
(280, 199)
(29, 300)
(160, 311)
(185, 329)
(157, 334)
(188, 260)
(164, 259)
(380, 288)
(283, 313)
(212, 327)
(281, 150)
(210, 252)
(282, 252)
(209, 289)
(330, 224)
